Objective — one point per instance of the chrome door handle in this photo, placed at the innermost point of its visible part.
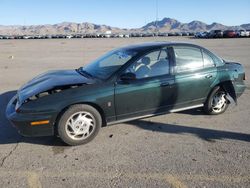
(209, 76)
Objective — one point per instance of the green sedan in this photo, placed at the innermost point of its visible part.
(128, 83)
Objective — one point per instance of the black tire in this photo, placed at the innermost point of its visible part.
(208, 106)
(62, 128)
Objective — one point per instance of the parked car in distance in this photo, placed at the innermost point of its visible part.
(242, 33)
(185, 34)
(201, 34)
(215, 34)
(229, 34)
(128, 83)
(248, 31)
(163, 34)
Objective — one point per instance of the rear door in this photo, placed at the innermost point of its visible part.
(195, 72)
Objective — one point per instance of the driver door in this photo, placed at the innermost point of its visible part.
(150, 93)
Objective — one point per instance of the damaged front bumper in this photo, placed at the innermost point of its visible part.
(22, 121)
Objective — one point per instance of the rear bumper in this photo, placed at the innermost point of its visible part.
(22, 121)
(239, 89)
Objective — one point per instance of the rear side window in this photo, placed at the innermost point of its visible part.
(217, 60)
(208, 60)
(187, 58)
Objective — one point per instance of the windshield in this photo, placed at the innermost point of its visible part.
(106, 65)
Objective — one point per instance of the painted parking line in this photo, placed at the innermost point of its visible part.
(33, 180)
(219, 178)
(175, 180)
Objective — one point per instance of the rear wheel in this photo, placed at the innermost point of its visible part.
(217, 102)
(79, 124)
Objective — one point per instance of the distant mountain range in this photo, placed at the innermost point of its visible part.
(172, 25)
(164, 25)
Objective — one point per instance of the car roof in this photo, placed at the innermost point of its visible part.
(154, 45)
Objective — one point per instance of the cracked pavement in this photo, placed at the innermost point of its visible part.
(9, 154)
(185, 149)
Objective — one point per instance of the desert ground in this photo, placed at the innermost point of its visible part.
(185, 149)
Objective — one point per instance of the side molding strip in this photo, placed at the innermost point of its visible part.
(150, 115)
(187, 108)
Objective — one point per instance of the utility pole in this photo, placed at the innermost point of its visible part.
(156, 18)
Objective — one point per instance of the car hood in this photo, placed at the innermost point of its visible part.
(50, 80)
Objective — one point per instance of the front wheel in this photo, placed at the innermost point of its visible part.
(217, 102)
(79, 124)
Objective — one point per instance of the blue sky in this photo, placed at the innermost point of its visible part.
(122, 13)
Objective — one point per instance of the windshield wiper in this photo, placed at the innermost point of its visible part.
(84, 73)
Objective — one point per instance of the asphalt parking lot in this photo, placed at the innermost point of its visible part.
(185, 149)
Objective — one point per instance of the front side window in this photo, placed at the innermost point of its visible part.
(153, 64)
(106, 65)
(187, 58)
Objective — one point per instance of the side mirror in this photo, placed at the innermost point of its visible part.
(128, 76)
